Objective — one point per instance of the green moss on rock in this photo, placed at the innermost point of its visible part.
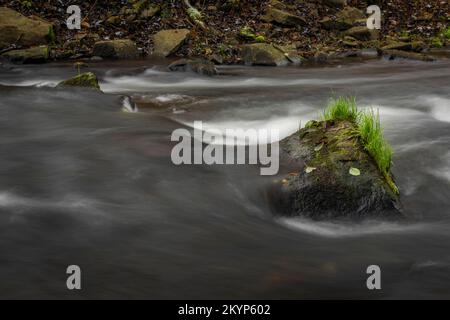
(51, 36)
(86, 80)
(446, 33)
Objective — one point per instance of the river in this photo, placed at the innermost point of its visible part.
(86, 180)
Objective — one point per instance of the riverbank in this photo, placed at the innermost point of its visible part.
(233, 32)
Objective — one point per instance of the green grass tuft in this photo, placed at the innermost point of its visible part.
(371, 134)
(446, 33)
(342, 108)
(369, 130)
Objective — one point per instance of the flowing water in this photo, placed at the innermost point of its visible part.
(86, 179)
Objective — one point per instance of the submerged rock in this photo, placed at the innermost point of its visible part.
(116, 49)
(397, 45)
(16, 29)
(31, 55)
(200, 66)
(395, 54)
(167, 42)
(85, 80)
(332, 176)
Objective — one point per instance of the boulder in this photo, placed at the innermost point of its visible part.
(38, 54)
(362, 33)
(330, 23)
(279, 5)
(113, 20)
(283, 18)
(264, 54)
(397, 45)
(167, 42)
(351, 42)
(116, 49)
(21, 31)
(419, 46)
(331, 176)
(200, 66)
(85, 80)
(150, 12)
(344, 20)
(351, 15)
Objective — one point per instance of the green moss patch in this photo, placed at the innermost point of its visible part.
(86, 80)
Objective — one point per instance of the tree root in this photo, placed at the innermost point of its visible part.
(194, 15)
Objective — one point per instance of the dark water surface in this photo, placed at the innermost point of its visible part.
(83, 182)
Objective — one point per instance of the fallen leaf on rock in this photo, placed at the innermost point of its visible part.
(319, 147)
(310, 169)
(354, 172)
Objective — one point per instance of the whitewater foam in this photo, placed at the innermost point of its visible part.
(68, 202)
(440, 107)
(349, 229)
(128, 105)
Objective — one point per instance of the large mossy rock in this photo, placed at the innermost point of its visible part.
(38, 54)
(116, 49)
(323, 181)
(283, 18)
(264, 54)
(17, 29)
(85, 80)
(167, 42)
(200, 66)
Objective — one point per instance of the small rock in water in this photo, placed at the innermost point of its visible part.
(200, 66)
(85, 80)
(128, 105)
(264, 54)
(395, 54)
